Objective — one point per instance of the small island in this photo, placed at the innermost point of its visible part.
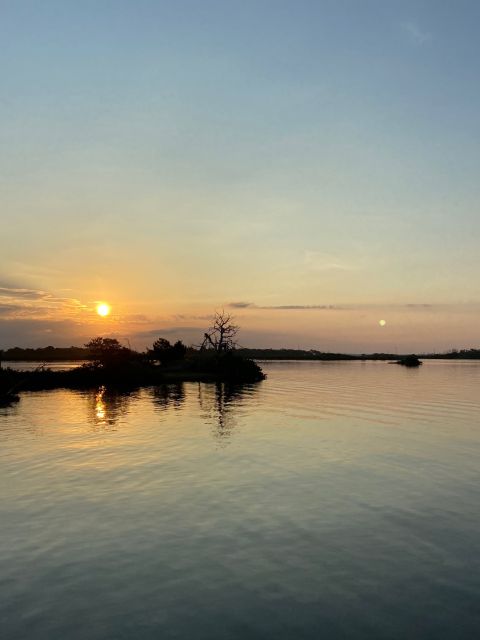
(114, 365)
(409, 361)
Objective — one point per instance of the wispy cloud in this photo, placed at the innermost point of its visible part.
(320, 261)
(133, 318)
(419, 306)
(20, 303)
(289, 307)
(32, 332)
(241, 305)
(29, 294)
(154, 333)
(251, 305)
(181, 317)
(341, 307)
(415, 34)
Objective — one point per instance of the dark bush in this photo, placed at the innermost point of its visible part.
(166, 353)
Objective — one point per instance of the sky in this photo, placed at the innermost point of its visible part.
(309, 166)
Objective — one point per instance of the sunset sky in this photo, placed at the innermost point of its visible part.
(310, 166)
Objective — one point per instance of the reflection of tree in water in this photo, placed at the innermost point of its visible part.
(107, 407)
(169, 395)
(218, 403)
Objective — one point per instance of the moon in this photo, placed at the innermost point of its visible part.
(103, 309)
(382, 323)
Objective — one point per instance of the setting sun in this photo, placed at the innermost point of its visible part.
(103, 309)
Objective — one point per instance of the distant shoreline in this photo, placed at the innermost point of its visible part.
(300, 354)
(59, 354)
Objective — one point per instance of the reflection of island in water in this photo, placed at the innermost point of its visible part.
(217, 403)
(169, 396)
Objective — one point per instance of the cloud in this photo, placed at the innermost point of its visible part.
(241, 305)
(419, 305)
(17, 303)
(154, 333)
(133, 318)
(251, 305)
(320, 261)
(300, 306)
(6, 309)
(334, 307)
(182, 316)
(415, 34)
(29, 294)
(30, 332)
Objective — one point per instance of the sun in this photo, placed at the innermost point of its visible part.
(382, 323)
(103, 309)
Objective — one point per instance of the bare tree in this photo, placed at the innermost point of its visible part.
(222, 333)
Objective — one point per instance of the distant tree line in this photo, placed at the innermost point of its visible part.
(164, 351)
(44, 354)
(298, 354)
(456, 354)
(218, 341)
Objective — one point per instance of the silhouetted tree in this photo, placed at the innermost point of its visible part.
(164, 351)
(160, 345)
(107, 352)
(221, 335)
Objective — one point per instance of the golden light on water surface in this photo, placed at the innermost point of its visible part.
(103, 309)
(100, 406)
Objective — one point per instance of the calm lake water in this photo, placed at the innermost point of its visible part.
(28, 365)
(333, 500)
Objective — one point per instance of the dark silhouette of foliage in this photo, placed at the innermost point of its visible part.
(410, 361)
(108, 352)
(226, 366)
(167, 353)
(45, 354)
(294, 354)
(455, 354)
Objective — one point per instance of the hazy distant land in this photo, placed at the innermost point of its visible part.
(58, 354)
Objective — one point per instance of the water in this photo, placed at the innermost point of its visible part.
(333, 500)
(28, 365)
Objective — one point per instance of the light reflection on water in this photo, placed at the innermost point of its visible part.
(28, 365)
(336, 500)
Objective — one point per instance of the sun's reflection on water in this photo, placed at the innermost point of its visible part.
(100, 407)
(107, 408)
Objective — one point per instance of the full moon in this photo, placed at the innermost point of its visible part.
(103, 309)
(382, 323)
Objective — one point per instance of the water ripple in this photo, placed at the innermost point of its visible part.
(336, 500)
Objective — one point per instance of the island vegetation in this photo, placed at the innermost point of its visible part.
(114, 365)
(409, 361)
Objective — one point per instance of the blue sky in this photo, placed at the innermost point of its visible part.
(177, 157)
